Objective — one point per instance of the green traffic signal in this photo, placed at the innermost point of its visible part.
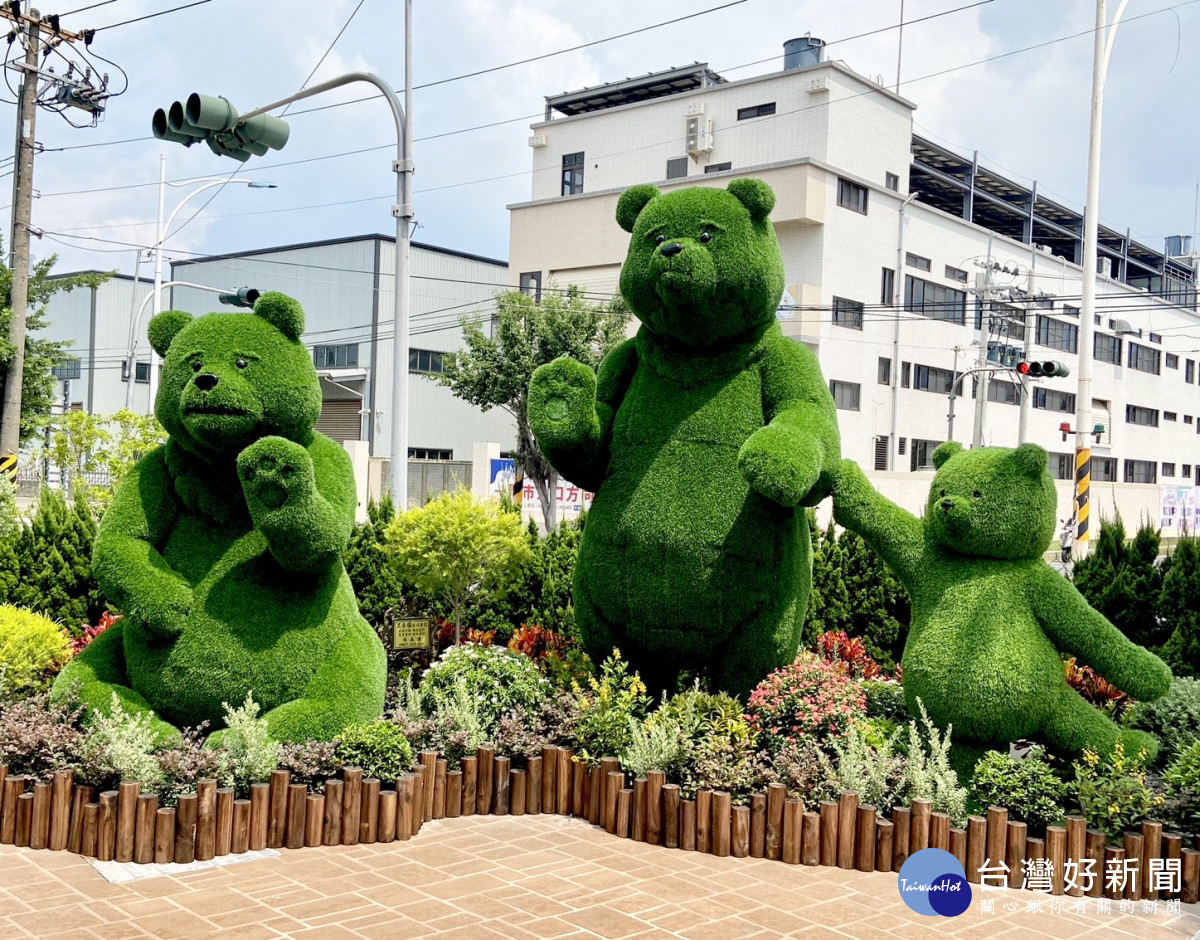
(244, 297)
(215, 121)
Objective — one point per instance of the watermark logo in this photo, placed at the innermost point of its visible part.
(933, 883)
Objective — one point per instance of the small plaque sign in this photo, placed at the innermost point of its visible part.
(411, 633)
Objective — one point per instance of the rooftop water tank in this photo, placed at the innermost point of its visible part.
(1179, 245)
(805, 51)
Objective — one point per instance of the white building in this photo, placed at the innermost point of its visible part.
(903, 260)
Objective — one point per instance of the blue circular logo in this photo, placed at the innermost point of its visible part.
(933, 883)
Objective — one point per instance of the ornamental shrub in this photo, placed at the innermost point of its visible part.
(251, 753)
(837, 647)
(875, 771)
(804, 768)
(1123, 580)
(885, 699)
(449, 724)
(928, 773)
(1113, 794)
(811, 698)
(376, 585)
(1174, 719)
(32, 648)
(1182, 778)
(654, 745)
(37, 735)
(1029, 788)
(605, 707)
(311, 763)
(379, 748)
(1180, 607)
(189, 758)
(120, 745)
(496, 678)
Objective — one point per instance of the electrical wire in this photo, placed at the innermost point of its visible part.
(325, 54)
(93, 6)
(150, 16)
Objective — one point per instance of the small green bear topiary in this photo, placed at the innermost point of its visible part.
(704, 438)
(989, 616)
(223, 547)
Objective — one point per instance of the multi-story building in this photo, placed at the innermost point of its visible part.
(905, 264)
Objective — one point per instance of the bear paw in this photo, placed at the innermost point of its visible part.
(274, 471)
(562, 403)
(777, 466)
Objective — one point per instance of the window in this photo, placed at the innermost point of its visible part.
(930, 379)
(955, 274)
(1104, 469)
(1053, 400)
(892, 182)
(922, 454)
(1170, 416)
(1007, 319)
(425, 360)
(934, 300)
(1135, 414)
(1186, 472)
(1140, 471)
(141, 372)
(845, 395)
(1062, 466)
(1144, 359)
(677, 168)
(1187, 419)
(429, 453)
(905, 371)
(1172, 361)
(1057, 335)
(1106, 348)
(718, 167)
(1000, 391)
(902, 445)
(1155, 338)
(531, 283)
(916, 261)
(887, 287)
(1168, 469)
(572, 173)
(852, 196)
(1189, 370)
(847, 313)
(885, 371)
(344, 356)
(1068, 310)
(67, 368)
(881, 451)
(758, 110)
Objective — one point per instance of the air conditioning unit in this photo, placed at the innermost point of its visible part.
(816, 85)
(538, 140)
(698, 137)
(1046, 249)
(696, 107)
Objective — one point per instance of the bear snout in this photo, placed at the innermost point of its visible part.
(671, 249)
(206, 382)
(947, 504)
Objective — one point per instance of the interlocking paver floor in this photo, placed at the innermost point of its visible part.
(529, 877)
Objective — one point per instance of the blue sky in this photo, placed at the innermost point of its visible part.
(1026, 113)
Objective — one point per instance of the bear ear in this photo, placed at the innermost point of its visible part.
(1031, 458)
(632, 202)
(165, 327)
(755, 195)
(282, 312)
(944, 452)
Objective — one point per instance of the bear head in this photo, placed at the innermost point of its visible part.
(992, 502)
(230, 378)
(704, 266)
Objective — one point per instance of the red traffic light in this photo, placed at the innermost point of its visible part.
(1023, 367)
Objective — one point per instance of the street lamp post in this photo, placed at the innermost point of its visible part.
(161, 235)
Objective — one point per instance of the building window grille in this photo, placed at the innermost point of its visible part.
(572, 173)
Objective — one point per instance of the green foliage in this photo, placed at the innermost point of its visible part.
(448, 722)
(1113, 794)
(695, 491)
(989, 616)
(10, 522)
(875, 771)
(120, 745)
(187, 759)
(455, 547)
(654, 745)
(502, 352)
(1174, 719)
(223, 547)
(311, 762)
(250, 751)
(32, 648)
(38, 735)
(885, 699)
(803, 768)
(829, 599)
(1182, 778)
(1121, 579)
(605, 708)
(82, 443)
(1029, 788)
(495, 678)
(376, 585)
(1180, 608)
(928, 773)
(812, 698)
(41, 355)
(54, 563)
(379, 748)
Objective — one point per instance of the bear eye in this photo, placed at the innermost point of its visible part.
(241, 363)
(978, 495)
(197, 365)
(943, 492)
(659, 239)
(705, 237)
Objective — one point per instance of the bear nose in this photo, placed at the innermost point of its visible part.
(206, 382)
(671, 249)
(947, 504)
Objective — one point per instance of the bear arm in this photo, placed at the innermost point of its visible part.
(1077, 628)
(312, 537)
(127, 564)
(895, 534)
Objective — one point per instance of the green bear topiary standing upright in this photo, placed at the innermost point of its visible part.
(223, 546)
(989, 616)
(703, 437)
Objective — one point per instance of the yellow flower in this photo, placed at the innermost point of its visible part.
(1113, 808)
(616, 655)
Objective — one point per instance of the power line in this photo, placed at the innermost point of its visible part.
(150, 16)
(325, 54)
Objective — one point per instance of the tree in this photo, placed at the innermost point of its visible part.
(1123, 581)
(494, 370)
(879, 606)
(41, 355)
(454, 547)
(828, 601)
(365, 559)
(1180, 606)
(81, 443)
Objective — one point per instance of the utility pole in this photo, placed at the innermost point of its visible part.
(981, 392)
(22, 206)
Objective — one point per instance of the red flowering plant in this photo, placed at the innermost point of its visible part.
(90, 633)
(812, 699)
(537, 642)
(1095, 688)
(445, 635)
(836, 647)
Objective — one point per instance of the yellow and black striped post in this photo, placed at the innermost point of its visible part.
(1083, 480)
(8, 467)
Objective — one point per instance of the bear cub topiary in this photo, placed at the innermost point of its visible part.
(989, 616)
(704, 437)
(223, 547)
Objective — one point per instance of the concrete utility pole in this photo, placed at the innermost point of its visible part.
(981, 392)
(22, 207)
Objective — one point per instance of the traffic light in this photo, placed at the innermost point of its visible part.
(216, 122)
(244, 297)
(1048, 369)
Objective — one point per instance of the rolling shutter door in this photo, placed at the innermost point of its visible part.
(340, 420)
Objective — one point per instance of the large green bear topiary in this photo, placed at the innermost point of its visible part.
(989, 616)
(703, 438)
(223, 547)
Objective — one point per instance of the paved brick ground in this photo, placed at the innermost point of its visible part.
(531, 877)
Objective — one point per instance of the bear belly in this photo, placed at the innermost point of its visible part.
(253, 627)
(980, 661)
